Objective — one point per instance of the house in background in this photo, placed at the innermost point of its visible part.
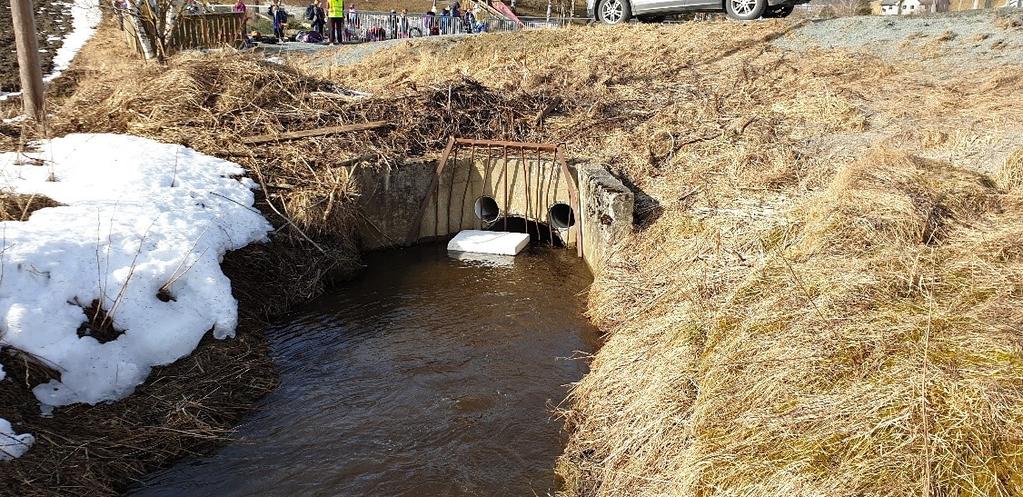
(910, 7)
(890, 7)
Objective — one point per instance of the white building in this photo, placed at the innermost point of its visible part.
(889, 7)
(911, 7)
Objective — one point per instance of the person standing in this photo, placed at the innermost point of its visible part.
(403, 27)
(445, 22)
(353, 17)
(280, 17)
(310, 10)
(469, 22)
(392, 24)
(430, 23)
(240, 9)
(335, 20)
(319, 19)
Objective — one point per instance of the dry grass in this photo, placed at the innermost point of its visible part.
(820, 297)
(1010, 176)
(18, 207)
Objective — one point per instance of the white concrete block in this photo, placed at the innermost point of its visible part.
(489, 242)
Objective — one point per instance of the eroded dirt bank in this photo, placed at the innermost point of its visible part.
(821, 293)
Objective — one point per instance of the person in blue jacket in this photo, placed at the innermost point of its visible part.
(280, 19)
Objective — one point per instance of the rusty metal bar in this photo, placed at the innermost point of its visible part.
(465, 191)
(547, 201)
(506, 188)
(506, 144)
(573, 195)
(528, 173)
(413, 233)
(451, 193)
(487, 177)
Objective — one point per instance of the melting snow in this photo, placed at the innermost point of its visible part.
(13, 445)
(137, 214)
(85, 17)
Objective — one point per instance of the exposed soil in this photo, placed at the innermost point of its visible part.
(53, 22)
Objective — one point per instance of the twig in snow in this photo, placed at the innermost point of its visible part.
(131, 272)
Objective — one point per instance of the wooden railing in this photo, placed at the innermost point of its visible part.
(207, 31)
(211, 30)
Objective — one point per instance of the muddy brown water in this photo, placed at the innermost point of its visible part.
(426, 376)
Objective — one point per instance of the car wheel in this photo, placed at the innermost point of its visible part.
(778, 11)
(745, 10)
(614, 11)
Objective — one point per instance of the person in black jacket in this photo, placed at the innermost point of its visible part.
(392, 24)
(280, 20)
(317, 16)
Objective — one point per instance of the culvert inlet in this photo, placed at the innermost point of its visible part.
(561, 215)
(486, 209)
(424, 376)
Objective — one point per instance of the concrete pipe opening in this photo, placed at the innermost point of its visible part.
(561, 216)
(486, 209)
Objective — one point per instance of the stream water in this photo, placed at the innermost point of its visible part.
(427, 376)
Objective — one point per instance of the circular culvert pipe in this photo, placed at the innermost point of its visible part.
(486, 209)
(561, 215)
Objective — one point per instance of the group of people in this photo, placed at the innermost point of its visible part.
(451, 20)
(331, 24)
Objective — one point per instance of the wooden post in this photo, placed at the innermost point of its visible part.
(28, 59)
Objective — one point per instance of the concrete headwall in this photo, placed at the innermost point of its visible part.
(390, 200)
(607, 207)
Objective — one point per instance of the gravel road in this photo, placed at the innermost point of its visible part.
(982, 37)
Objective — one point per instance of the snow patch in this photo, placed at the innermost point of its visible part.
(12, 445)
(85, 18)
(142, 232)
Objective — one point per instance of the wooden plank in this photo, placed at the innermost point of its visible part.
(332, 130)
(413, 232)
(573, 196)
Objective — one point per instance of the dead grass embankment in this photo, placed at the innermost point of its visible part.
(822, 293)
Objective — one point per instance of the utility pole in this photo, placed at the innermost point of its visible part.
(28, 59)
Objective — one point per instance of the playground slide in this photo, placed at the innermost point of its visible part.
(505, 11)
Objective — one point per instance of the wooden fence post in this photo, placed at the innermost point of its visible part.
(28, 60)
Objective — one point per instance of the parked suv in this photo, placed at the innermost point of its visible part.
(619, 11)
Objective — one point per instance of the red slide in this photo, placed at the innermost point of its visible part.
(504, 9)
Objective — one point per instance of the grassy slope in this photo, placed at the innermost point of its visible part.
(823, 294)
